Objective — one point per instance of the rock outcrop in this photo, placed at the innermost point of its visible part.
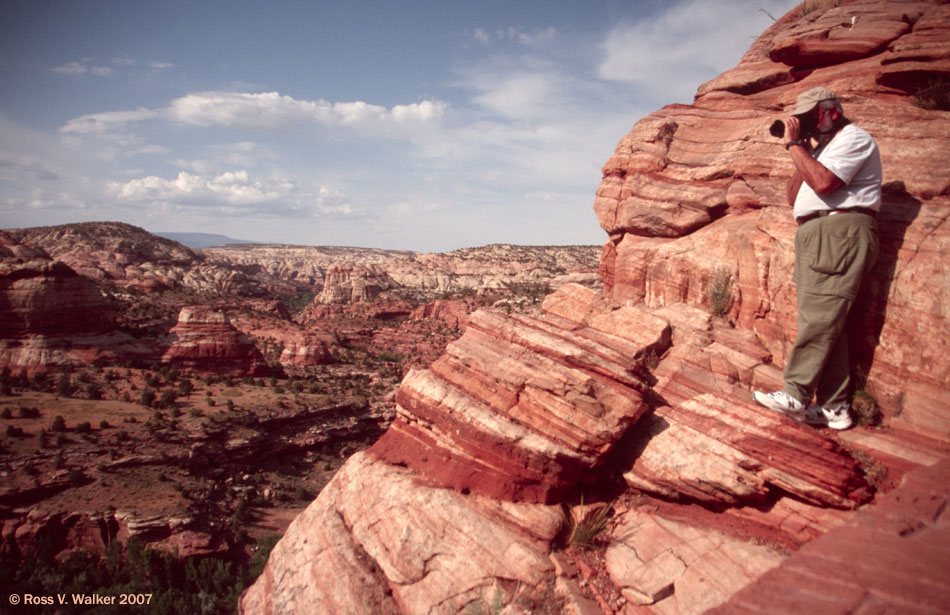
(697, 189)
(641, 382)
(127, 256)
(205, 340)
(353, 284)
(493, 267)
(50, 315)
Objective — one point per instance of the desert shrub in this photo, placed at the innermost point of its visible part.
(6, 414)
(64, 386)
(865, 409)
(147, 398)
(6, 389)
(93, 391)
(587, 524)
(29, 413)
(934, 95)
(168, 398)
(83, 427)
(720, 291)
(14, 432)
(185, 387)
(104, 424)
(810, 6)
(59, 424)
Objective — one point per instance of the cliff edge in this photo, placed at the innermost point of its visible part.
(629, 410)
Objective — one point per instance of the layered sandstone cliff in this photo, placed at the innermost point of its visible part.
(455, 509)
(51, 315)
(697, 189)
(205, 340)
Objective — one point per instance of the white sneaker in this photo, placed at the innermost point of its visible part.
(835, 418)
(780, 401)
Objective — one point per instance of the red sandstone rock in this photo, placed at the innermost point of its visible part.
(204, 340)
(308, 352)
(672, 565)
(124, 255)
(520, 407)
(700, 188)
(377, 540)
(50, 315)
(453, 313)
(353, 284)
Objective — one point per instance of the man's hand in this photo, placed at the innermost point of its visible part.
(793, 128)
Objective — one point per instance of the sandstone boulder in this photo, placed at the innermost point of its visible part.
(204, 340)
(376, 540)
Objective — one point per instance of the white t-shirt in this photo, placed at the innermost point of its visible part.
(853, 157)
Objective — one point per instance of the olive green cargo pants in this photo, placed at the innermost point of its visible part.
(832, 256)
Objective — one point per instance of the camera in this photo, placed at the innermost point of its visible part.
(777, 129)
(809, 130)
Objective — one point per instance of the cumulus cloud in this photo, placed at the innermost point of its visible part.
(676, 50)
(237, 193)
(269, 111)
(231, 187)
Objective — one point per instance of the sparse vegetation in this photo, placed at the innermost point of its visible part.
(934, 95)
(865, 409)
(810, 6)
(720, 291)
(586, 524)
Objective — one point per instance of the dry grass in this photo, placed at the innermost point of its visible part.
(719, 293)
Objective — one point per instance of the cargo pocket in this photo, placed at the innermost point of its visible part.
(832, 253)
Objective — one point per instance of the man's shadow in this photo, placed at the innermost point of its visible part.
(899, 209)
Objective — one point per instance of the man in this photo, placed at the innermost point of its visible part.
(836, 194)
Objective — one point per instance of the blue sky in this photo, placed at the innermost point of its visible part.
(426, 126)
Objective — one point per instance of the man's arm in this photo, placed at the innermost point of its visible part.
(812, 172)
(794, 185)
(807, 169)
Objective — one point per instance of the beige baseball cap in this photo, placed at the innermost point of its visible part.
(807, 100)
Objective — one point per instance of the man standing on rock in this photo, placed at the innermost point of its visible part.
(836, 194)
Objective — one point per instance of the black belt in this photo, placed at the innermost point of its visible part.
(821, 214)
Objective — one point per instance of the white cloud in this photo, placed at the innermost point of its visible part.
(108, 121)
(516, 35)
(83, 68)
(335, 204)
(270, 111)
(673, 52)
(231, 187)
